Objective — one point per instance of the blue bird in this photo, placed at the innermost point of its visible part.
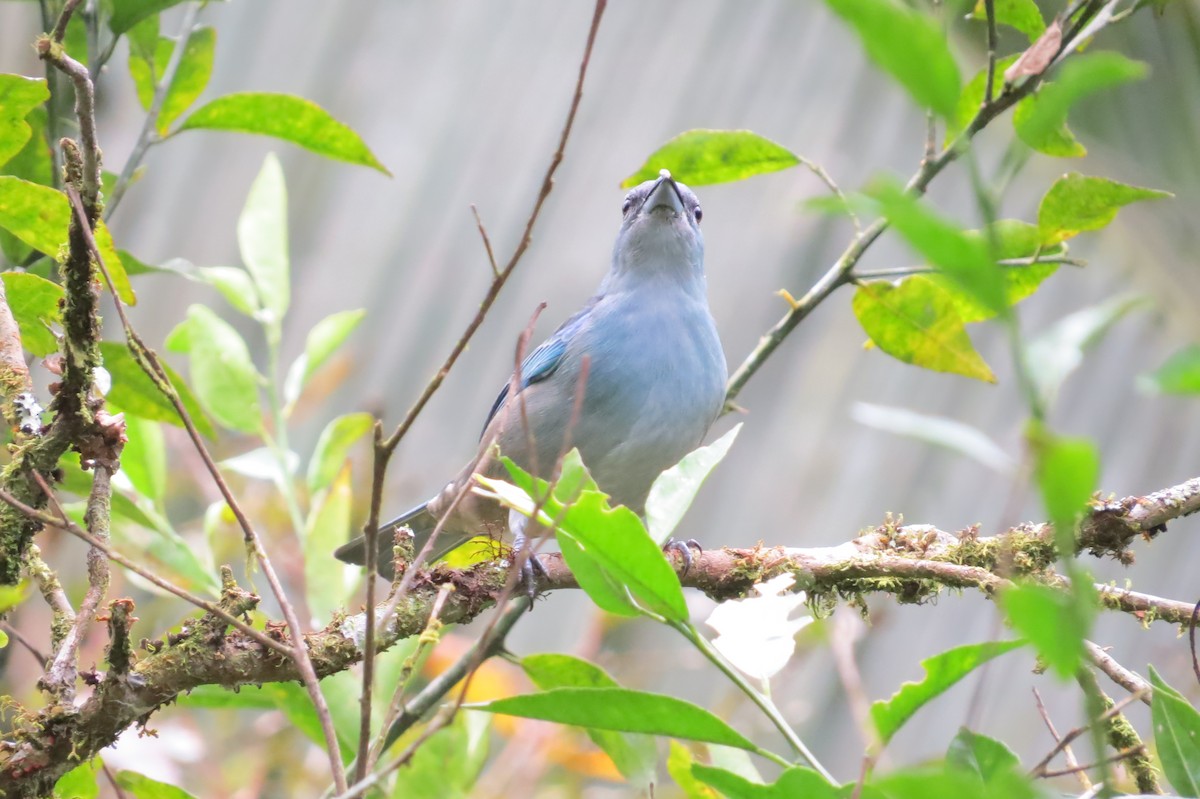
(654, 383)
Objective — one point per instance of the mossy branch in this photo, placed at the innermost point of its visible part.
(911, 562)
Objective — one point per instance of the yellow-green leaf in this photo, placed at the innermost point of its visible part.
(18, 96)
(1076, 203)
(909, 45)
(34, 302)
(40, 216)
(287, 117)
(702, 157)
(916, 321)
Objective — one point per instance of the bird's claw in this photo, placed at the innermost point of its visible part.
(532, 568)
(684, 548)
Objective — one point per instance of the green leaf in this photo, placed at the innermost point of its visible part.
(951, 783)
(333, 447)
(325, 530)
(135, 393)
(615, 540)
(1008, 239)
(12, 595)
(1179, 375)
(323, 341)
(263, 237)
(679, 766)
(1076, 203)
(964, 259)
(609, 551)
(980, 755)
(941, 672)
(224, 377)
(940, 431)
(447, 765)
(80, 782)
(39, 216)
(135, 266)
(1176, 736)
(1057, 140)
(634, 755)
(792, 783)
(18, 96)
(127, 13)
(916, 322)
(235, 285)
(908, 45)
(623, 710)
(703, 157)
(144, 458)
(287, 117)
(143, 61)
(1066, 470)
(34, 304)
(1024, 15)
(140, 786)
(31, 163)
(1050, 620)
(191, 78)
(1041, 119)
(971, 99)
(1055, 354)
(673, 491)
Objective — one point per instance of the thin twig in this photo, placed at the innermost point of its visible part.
(60, 27)
(840, 272)
(13, 632)
(1124, 754)
(1071, 735)
(386, 448)
(487, 243)
(819, 171)
(112, 778)
(52, 591)
(299, 650)
(890, 273)
(1117, 673)
(51, 50)
(60, 677)
(526, 237)
(989, 8)
(128, 563)
(149, 133)
(1068, 752)
(428, 639)
(488, 645)
(1192, 640)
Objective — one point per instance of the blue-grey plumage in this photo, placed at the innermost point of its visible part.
(655, 377)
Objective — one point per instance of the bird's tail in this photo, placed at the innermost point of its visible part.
(419, 520)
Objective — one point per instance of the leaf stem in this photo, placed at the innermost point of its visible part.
(149, 134)
(763, 702)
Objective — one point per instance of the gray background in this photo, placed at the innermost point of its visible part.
(464, 101)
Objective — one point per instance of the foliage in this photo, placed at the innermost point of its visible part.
(238, 391)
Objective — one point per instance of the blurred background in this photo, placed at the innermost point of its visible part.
(463, 102)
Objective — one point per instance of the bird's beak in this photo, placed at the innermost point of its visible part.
(665, 194)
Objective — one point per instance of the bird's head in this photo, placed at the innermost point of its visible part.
(660, 230)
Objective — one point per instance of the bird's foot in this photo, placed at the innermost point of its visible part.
(684, 548)
(532, 569)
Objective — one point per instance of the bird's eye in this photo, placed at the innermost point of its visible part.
(698, 213)
(626, 205)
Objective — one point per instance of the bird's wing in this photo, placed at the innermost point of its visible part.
(541, 363)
